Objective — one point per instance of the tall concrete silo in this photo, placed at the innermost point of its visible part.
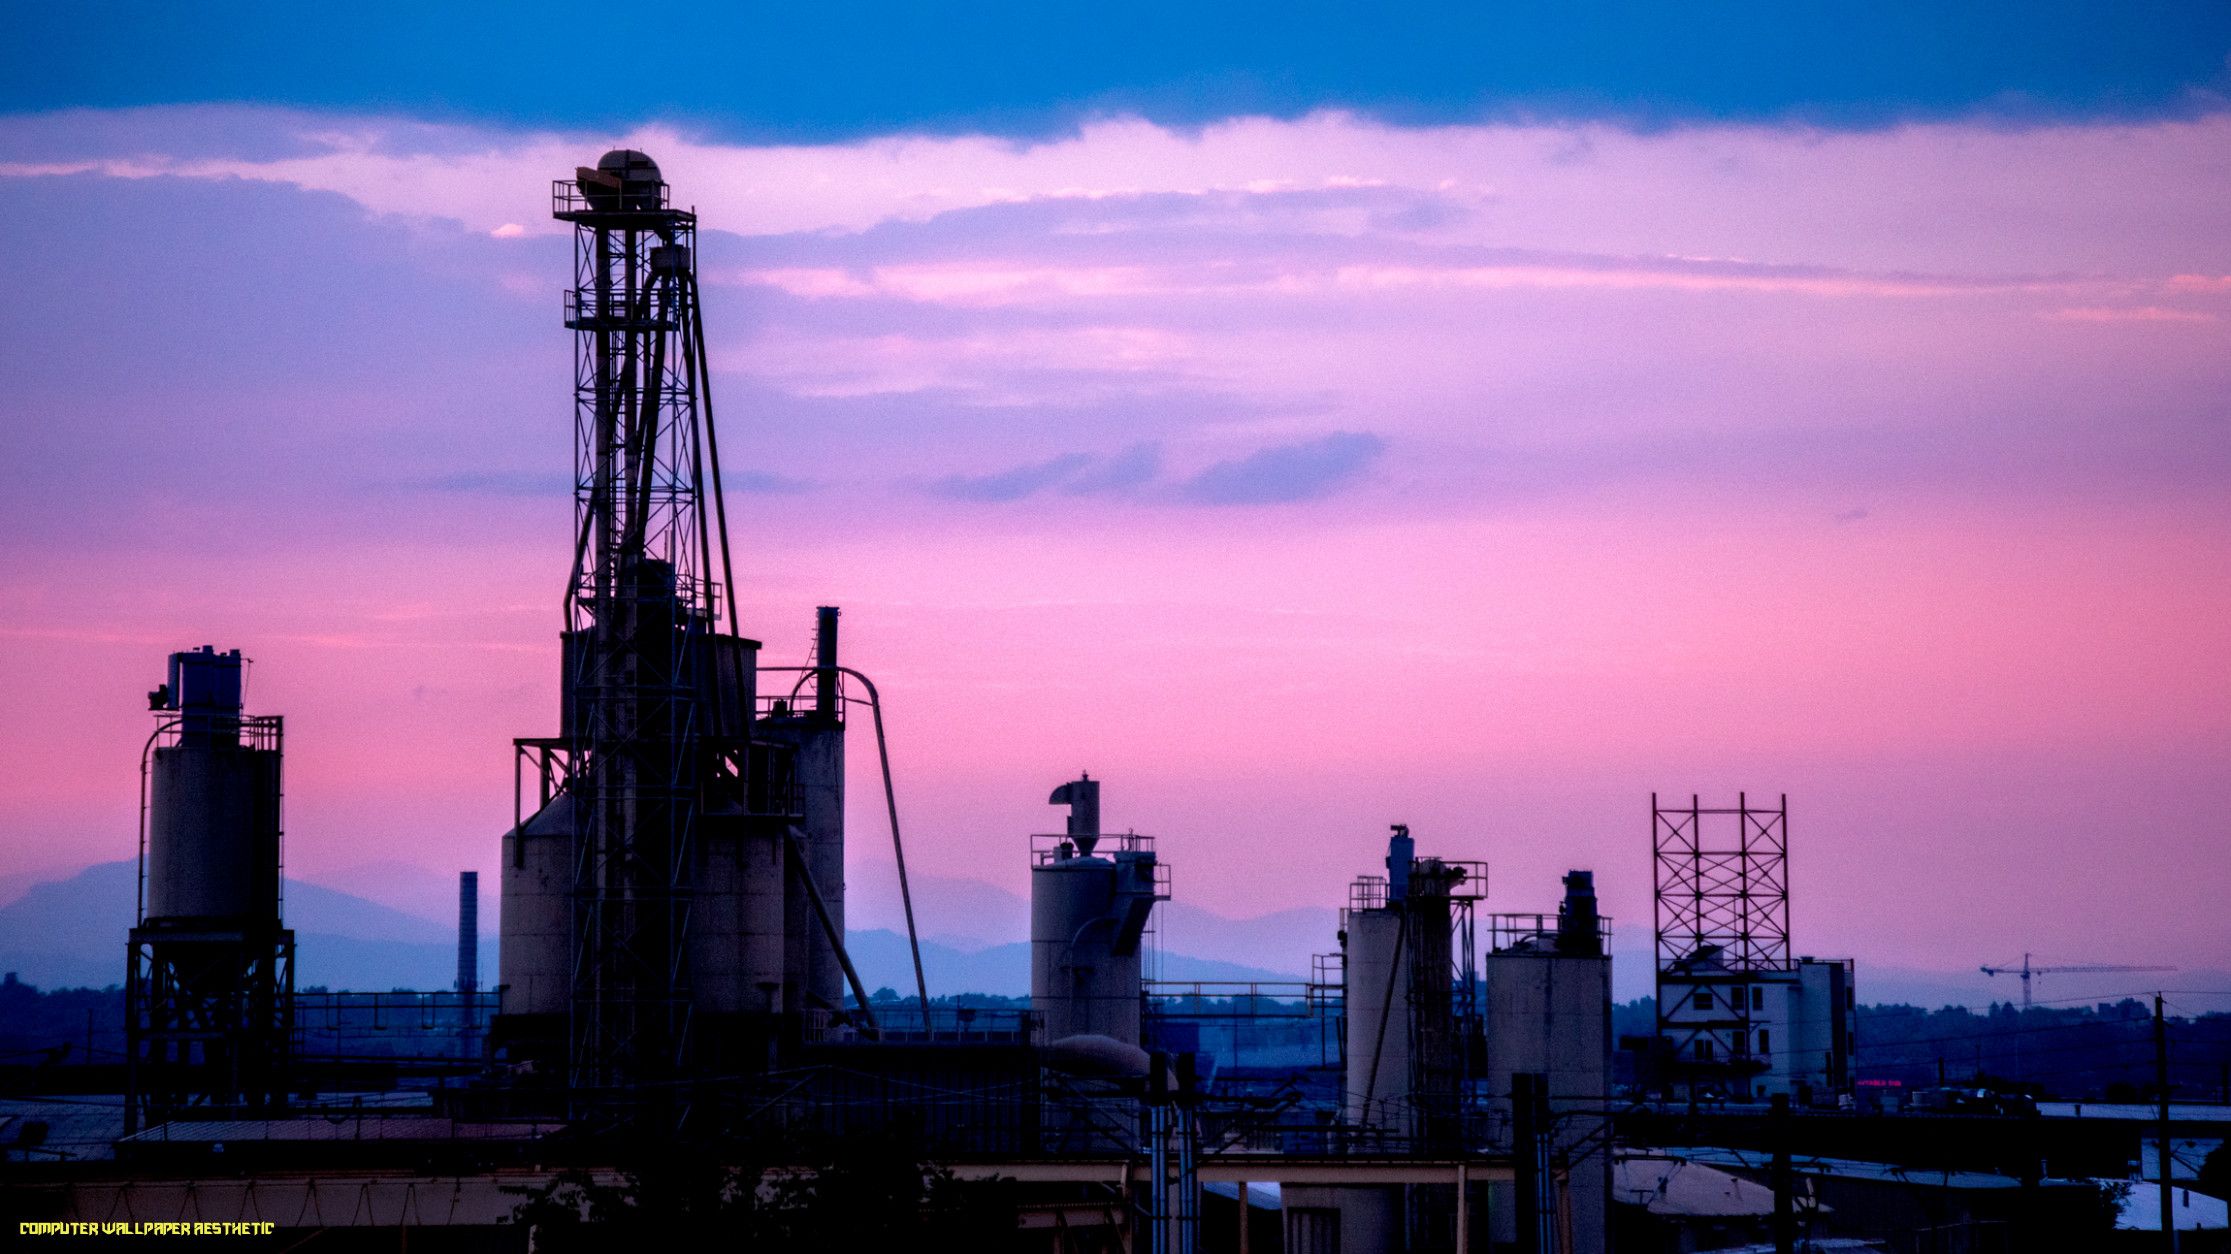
(1090, 899)
(1547, 985)
(210, 987)
(814, 735)
(1405, 940)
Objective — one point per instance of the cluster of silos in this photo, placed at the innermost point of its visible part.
(1405, 1045)
(209, 994)
(1547, 996)
(1089, 908)
(673, 881)
(763, 913)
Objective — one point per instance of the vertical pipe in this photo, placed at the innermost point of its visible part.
(468, 928)
(2161, 1089)
(898, 852)
(1246, 1246)
(825, 662)
(1526, 1164)
(1785, 1215)
(1158, 1153)
(704, 380)
(1189, 1186)
(1463, 1212)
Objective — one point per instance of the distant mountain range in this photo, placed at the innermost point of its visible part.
(69, 932)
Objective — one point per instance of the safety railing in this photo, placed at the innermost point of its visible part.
(1048, 847)
(569, 197)
(1512, 930)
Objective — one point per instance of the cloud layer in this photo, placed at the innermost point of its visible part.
(1303, 472)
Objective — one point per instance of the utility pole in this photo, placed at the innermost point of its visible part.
(1526, 1159)
(1785, 1218)
(2161, 1090)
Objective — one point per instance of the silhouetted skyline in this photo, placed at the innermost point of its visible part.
(1335, 445)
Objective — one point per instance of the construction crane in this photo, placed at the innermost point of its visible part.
(2093, 968)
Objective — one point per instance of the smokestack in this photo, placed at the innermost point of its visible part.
(1401, 851)
(1082, 796)
(1579, 927)
(825, 657)
(468, 931)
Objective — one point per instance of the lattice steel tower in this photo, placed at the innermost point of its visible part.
(1722, 916)
(645, 697)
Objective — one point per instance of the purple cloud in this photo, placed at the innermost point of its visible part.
(1012, 484)
(1286, 473)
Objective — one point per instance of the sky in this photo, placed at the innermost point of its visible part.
(1303, 417)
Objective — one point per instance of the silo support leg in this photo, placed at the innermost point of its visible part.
(828, 924)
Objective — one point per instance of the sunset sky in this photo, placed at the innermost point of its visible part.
(1304, 424)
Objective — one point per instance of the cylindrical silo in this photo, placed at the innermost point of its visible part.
(213, 831)
(1376, 1002)
(534, 959)
(1403, 1055)
(1088, 911)
(1548, 1011)
(813, 977)
(212, 804)
(736, 920)
(1079, 984)
(820, 774)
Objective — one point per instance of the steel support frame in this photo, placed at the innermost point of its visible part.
(642, 600)
(208, 1024)
(1723, 887)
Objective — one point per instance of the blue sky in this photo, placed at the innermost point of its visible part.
(819, 72)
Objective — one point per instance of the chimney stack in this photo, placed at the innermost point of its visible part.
(468, 931)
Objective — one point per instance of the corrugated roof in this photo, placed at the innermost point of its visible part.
(84, 1128)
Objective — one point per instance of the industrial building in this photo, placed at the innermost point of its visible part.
(1739, 1016)
(673, 964)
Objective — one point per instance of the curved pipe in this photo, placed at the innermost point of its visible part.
(704, 369)
(140, 907)
(891, 804)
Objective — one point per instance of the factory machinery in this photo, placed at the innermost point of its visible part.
(1449, 1048)
(673, 950)
(673, 885)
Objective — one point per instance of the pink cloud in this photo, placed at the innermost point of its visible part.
(2130, 313)
(1700, 459)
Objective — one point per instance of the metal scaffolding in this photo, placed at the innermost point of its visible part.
(643, 600)
(1722, 917)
